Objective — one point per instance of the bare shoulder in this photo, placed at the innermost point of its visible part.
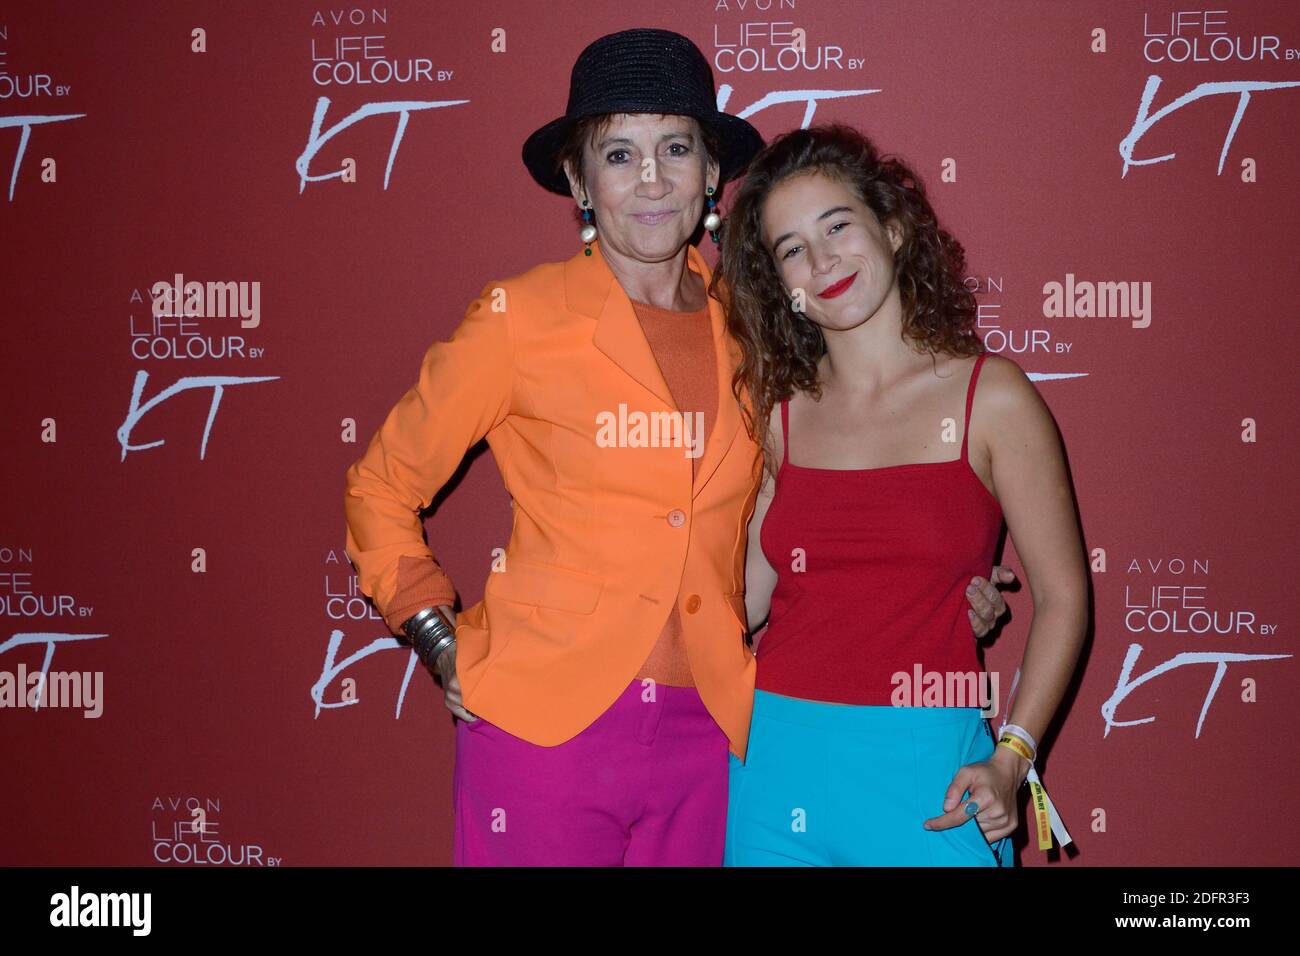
(1007, 403)
(1003, 386)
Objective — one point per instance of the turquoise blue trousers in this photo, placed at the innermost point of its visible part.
(846, 785)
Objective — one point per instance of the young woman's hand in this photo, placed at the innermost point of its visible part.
(986, 604)
(992, 784)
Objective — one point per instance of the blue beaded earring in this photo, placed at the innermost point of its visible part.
(589, 229)
(712, 220)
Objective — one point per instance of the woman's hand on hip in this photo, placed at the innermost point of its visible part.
(445, 668)
(992, 784)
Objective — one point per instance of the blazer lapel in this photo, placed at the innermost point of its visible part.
(618, 333)
(590, 289)
(727, 421)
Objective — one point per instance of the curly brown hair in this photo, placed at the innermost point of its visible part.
(780, 348)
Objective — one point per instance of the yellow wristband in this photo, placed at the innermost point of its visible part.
(1014, 743)
(1038, 798)
(1005, 734)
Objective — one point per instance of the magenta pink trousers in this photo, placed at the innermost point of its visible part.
(644, 785)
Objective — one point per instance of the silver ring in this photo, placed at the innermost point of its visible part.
(972, 808)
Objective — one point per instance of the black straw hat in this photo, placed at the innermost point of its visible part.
(641, 71)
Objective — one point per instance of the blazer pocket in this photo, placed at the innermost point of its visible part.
(736, 601)
(546, 585)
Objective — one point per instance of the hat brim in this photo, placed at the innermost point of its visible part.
(738, 143)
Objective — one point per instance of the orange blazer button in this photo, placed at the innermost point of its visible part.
(677, 517)
(692, 604)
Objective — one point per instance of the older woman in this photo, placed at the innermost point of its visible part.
(606, 667)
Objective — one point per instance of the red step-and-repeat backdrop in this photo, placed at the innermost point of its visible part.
(173, 530)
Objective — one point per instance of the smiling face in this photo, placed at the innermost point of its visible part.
(645, 177)
(825, 240)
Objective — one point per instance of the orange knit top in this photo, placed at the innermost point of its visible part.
(682, 343)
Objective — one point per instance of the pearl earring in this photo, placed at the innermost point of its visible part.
(712, 220)
(589, 229)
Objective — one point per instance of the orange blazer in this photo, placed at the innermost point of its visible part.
(604, 539)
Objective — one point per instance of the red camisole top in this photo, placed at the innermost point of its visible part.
(887, 554)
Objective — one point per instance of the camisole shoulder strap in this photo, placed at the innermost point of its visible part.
(970, 398)
(785, 430)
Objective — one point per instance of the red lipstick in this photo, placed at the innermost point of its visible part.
(838, 288)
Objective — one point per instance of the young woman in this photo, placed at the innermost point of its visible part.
(894, 447)
(602, 680)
